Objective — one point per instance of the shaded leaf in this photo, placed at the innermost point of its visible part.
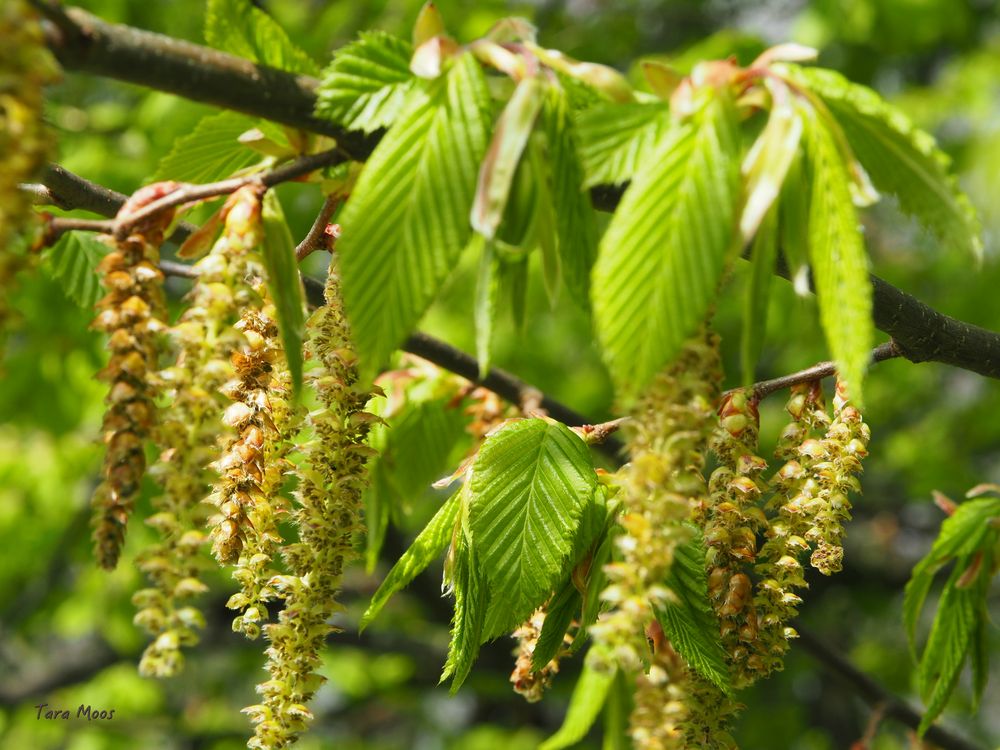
(487, 295)
(240, 28)
(559, 614)
(73, 263)
(617, 710)
(588, 699)
(764, 254)
(284, 284)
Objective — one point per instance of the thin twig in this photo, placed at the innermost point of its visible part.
(57, 226)
(317, 238)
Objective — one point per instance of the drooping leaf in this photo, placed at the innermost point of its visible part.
(73, 263)
(663, 255)
(764, 253)
(472, 600)
(514, 276)
(900, 158)
(838, 258)
(407, 220)
(210, 152)
(240, 28)
(284, 284)
(588, 699)
(510, 136)
(617, 710)
(530, 483)
(690, 623)
(365, 86)
(379, 500)
(615, 139)
(428, 545)
(565, 605)
(793, 224)
(575, 221)
(487, 296)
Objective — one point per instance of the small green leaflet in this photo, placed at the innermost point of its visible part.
(900, 158)
(365, 86)
(210, 152)
(691, 623)
(615, 139)
(428, 545)
(73, 263)
(663, 255)
(408, 218)
(237, 27)
(764, 254)
(838, 258)
(575, 221)
(530, 484)
(588, 699)
(284, 284)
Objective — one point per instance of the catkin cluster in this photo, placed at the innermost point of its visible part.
(25, 67)
(532, 684)
(328, 515)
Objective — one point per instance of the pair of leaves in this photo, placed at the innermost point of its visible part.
(969, 537)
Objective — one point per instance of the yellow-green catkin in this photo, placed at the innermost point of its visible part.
(25, 67)
(132, 313)
(328, 516)
(190, 429)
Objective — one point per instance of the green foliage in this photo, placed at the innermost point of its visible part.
(617, 138)
(764, 253)
(663, 255)
(900, 158)
(407, 220)
(838, 258)
(365, 86)
(969, 538)
(237, 27)
(472, 606)
(588, 699)
(73, 263)
(559, 614)
(690, 622)
(211, 151)
(284, 284)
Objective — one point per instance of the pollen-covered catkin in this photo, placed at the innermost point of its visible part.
(328, 515)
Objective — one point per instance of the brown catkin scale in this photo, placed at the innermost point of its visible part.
(328, 516)
(528, 683)
(132, 313)
(25, 67)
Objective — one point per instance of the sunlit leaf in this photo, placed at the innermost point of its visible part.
(615, 139)
(211, 151)
(237, 27)
(73, 263)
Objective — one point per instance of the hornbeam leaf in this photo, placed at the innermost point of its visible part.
(73, 263)
(765, 252)
(284, 284)
(472, 600)
(530, 484)
(663, 255)
(900, 158)
(211, 151)
(428, 545)
(616, 138)
(365, 86)
(487, 294)
(588, 699)
(237, 27)
(837, 256)
(407, 220)
(559, 614)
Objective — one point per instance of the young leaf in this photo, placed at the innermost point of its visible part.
(472, 600)
(793, 224)
(900, 158)
(559, 614)
(617, 710)
(73, 263)
(428, 545)
(408, 218)
(530, 483)
(487, 294)
(212, 151)
(588, 699)
(615, 139)
(574, 216)
(765, 252)
(838, 258)
(510, 136)
(365, 86)
(663, 255)
(284, 284)
(379, 500)
(691, 623)
(237, 27)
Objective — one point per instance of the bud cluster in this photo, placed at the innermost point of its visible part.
(328, 515)
(660, 488)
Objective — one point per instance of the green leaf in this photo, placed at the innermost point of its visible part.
(365, 86)
(237, 27)
(530, 483)
(617, 710)
(838, 258)
(574, 216)
(407, 220)
(690, 623)
(510, 136)
(900, 158)
(428, 545)
(762, 260)
(472, 600)
(284, 284)
(588, 699)
(73, 263)
(663, 255)
(487, 294)
(559, 614)
(793, 224)
(210, 152)
(379, 499)
(616, 139)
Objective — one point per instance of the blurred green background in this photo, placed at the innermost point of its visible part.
(66, 636)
